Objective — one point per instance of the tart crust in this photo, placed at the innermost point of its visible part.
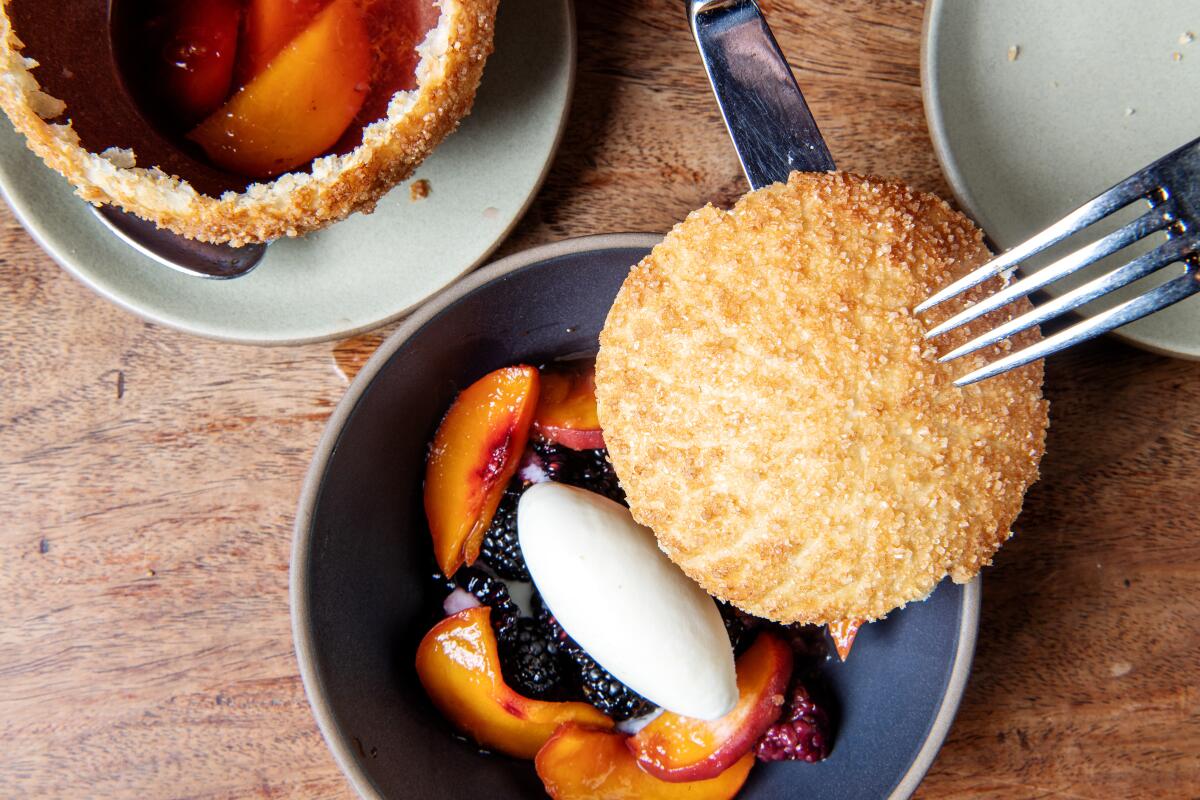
(451, 64)
(777, 418)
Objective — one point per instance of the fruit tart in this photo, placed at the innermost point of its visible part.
(240, 121)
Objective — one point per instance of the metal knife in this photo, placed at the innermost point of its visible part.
(770, 124)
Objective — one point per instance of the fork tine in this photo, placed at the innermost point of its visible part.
(1148, 223)
(1135, 186)
(1156, 299)
(1171, 251)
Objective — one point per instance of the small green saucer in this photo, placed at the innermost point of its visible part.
(369, 269)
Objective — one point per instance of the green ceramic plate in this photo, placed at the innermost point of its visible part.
(366, 270)
(1034, 107)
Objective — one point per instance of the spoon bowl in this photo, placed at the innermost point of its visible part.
(201, 259)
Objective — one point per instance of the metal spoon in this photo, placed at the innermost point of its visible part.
(200, 259)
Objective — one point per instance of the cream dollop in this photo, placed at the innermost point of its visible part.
(634, 611)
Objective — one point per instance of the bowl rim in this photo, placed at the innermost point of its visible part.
(298, 583)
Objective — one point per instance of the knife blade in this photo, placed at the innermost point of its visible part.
(772, 129)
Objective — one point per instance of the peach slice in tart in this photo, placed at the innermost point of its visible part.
(300, 102)
(268, 26)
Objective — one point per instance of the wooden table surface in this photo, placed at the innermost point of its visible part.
(148, 481)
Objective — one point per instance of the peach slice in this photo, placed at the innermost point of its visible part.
(197, 56)
(843, 634)
(459, 666)
(475, 452)
(675, 748)
(566, 411)
(300, 105)
(579, 763)
(269, 26)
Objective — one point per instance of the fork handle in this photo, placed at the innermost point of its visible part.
(772, 129)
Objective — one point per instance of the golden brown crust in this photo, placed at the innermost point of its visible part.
(777, 419)
(452, 59)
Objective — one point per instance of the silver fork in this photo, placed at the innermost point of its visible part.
(1171, 186)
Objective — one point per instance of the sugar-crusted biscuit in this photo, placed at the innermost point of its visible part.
(776, 417)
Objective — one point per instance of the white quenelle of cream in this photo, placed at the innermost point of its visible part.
(603, 577)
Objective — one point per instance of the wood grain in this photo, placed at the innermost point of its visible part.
(149, 481)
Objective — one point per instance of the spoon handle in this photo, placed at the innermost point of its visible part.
(770, 124)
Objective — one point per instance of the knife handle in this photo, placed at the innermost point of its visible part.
(772, 129)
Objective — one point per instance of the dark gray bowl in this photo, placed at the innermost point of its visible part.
(361, 561)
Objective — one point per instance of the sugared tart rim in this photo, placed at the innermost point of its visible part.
(448, 73)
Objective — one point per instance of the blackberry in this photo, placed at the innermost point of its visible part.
(566, 645)
(551, 457)
(607, 693)
(587, 469)
(531, 661)
(596, 685)
(801, 734)
(492, 592)
(593, 471)
(501, 550)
